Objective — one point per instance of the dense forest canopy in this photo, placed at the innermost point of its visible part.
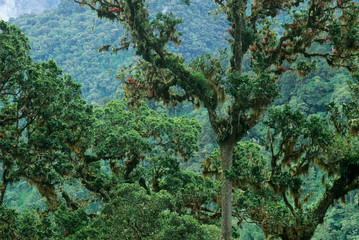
(123, 168)
(207, 81)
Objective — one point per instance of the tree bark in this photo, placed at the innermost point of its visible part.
(347, 182)
(3, 185)
(236, 60)
(227, 159)
(2, 192)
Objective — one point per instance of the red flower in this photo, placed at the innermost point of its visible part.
(271, 50)
(130, 80)
(282, 54)
(253, 48)
(293, 25)
(230, 31)
(263, 43)
(115, 10)
(287, 44)
(265, 37)
(280, 70)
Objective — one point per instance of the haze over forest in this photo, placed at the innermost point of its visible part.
(15, 8)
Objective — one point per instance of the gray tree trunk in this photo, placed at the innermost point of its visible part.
(227, 159)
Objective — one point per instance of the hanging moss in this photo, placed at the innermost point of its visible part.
(303, 68)
(200, 82)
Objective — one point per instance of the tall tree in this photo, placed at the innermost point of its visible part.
(42, 117)
(48, 135)
(138, 144)
(209, 83)
(277, 198)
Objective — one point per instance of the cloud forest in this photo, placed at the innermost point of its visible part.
(171, 120)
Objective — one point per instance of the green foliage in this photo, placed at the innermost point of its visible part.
(248, 165)
(27, 225)
(340, 221)
(137, 215)
(14, 53)
(122, 146)
(247, 90)
(70, 222)
(71, 37)
(295, 143)
(30, 226)
(124, 135)
(41, 112)
(7, 222)
(303, 68)
(51, 137)
(59, 39)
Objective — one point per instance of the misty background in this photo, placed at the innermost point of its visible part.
(14, 8)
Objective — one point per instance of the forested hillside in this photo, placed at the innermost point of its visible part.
(96, 164)
(71, 36)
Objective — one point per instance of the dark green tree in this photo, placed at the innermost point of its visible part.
(207, 82)
(271, 187)
(138, 145)
(272, 192)
(134, 214)
(49, 137)
(41, 113)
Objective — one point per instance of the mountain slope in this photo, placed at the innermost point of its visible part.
(65, 35)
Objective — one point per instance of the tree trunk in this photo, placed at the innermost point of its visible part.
(340, 188)
(227, 159)
(3, 185)
(2, 192)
